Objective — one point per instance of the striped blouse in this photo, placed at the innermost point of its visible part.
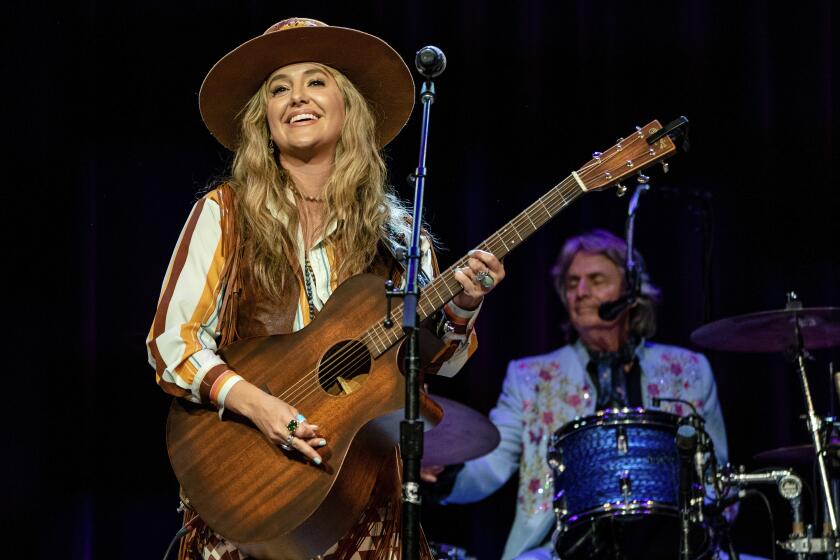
(182, 341)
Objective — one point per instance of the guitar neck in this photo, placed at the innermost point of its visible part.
(444, 287)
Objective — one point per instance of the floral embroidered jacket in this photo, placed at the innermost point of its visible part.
(542, 393)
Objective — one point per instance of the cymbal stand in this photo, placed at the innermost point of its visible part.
(814, 424)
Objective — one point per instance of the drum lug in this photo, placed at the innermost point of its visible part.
(625, 486)
(555, 457)
(621, 443)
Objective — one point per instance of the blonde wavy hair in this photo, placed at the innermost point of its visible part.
(357, 199)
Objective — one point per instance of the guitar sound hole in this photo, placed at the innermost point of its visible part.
(344, 367)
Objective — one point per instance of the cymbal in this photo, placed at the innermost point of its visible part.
(463, 434)
(791, 455)
(772, 331)
(794, 455)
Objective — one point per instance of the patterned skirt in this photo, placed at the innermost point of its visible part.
(376, 536)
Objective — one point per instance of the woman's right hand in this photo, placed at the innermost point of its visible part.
(272, 416)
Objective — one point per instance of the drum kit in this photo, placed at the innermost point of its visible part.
(634, 483)
(643, 483)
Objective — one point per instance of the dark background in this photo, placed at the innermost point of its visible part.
(107, 152)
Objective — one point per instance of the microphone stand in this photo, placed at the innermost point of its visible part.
(634, 271)
(430, 62)
(686, 441)
(610, 310)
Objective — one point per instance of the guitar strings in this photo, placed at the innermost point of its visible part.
(359, 354)
(350, 358)
(346, 358)
(339, 361)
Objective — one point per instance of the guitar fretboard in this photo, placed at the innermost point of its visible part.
(444, 287)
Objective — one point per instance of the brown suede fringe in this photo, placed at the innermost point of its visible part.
(376, 536)
(229, 281)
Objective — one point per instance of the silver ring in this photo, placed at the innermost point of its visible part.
(484, 279)
(285, 446)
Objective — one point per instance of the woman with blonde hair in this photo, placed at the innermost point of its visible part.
(306, 108)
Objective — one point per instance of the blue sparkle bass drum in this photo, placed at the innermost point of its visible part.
(616, 486)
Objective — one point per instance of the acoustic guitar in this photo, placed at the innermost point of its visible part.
(275, 504)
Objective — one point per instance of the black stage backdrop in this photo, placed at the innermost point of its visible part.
(109, 152)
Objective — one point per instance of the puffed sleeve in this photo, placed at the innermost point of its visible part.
(182, 339)
(456, 331)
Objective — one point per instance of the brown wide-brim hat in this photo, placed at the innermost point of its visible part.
(375, 68)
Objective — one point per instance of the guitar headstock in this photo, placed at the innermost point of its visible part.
(629, 155)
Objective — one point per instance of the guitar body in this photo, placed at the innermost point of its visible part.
(277, 504)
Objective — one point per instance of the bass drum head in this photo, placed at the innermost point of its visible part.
(630, 538)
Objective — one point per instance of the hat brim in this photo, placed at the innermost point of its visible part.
(376, 69)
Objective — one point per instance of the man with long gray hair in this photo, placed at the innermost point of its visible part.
(608, 364)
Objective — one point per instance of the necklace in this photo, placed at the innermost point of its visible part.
(306, 197)
(307, 285)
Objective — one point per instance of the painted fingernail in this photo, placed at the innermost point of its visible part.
(322, 442)
(317, 460)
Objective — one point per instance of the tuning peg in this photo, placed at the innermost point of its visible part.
(642, 178)
(596, 156)
(640, 132)
(665, 167)
(618, 144)
(621, 190)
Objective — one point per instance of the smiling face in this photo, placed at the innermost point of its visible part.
(590, 281)
(305, 111)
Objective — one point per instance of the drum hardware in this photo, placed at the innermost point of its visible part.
(621, 440)
(625, 485)
(808, 545)
(814, 424)
(793, 331)
(686, 440)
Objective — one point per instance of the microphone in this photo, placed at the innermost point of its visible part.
(610, 310)
(430, 61)
(686, 446)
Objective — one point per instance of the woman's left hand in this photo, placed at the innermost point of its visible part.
(482, 273)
